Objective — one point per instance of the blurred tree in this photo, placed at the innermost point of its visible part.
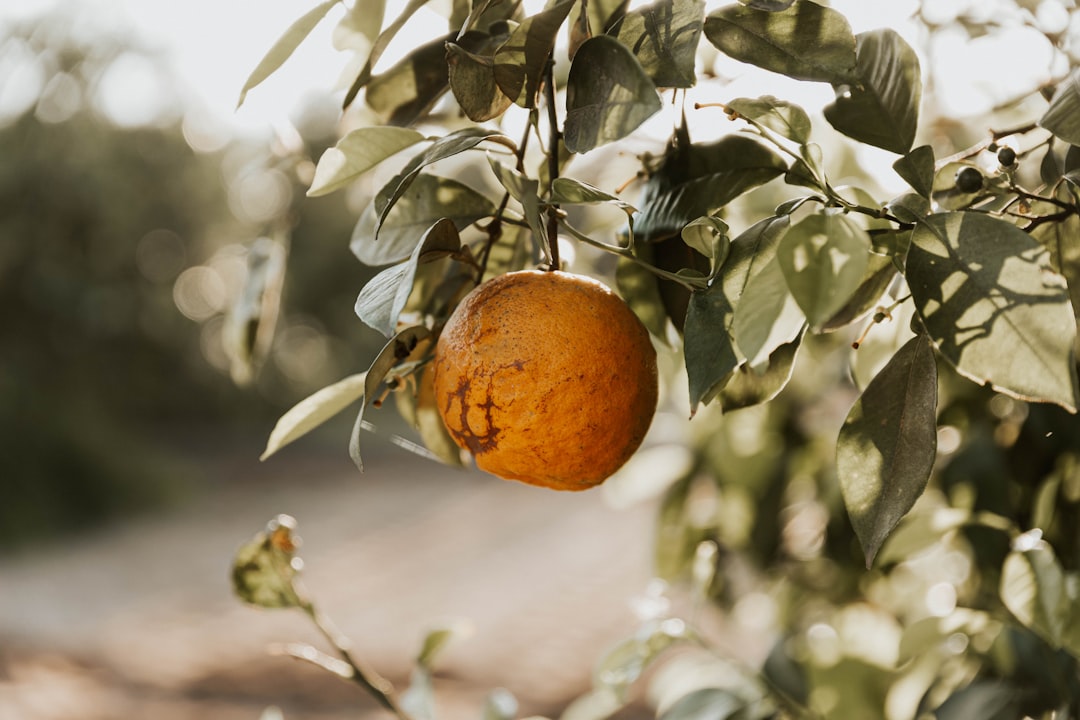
(103, 229)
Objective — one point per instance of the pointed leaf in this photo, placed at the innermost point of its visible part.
(380, 45)
(524, 190)
(882, 107)
(383, 298)
(917, 169)
(569, 191)
(711, 355)
(520, 62)
(805, 41)
(638, 287)
(981, 285)
(766, 315)
(887, 445)
(356, 153)
(1033, 588)
(445, 147)
(700, 179)
(880, 272)
(769, 5)
(780, 116)
(823, 258)
(748, 386)
(359, 28)
(472, 80)
(1059, 239)
(285, 46)
(408, 89)
(393, 353)
(428, 199)
(608, 95)
(708, 235)
(1063, 116)
(664, 37)
(313, 411)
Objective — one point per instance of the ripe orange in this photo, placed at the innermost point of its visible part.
(547, 378)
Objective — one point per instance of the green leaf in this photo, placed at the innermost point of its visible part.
(356, 153)
(638, 287)
(428, 199)
(805, 41)
(705, 704)
(420, 409)
(664, 38)
(445, 147)
(887, 445)
(711, 355)
(881, 108)
(908, 208)
(1059, 238)
(525, 190)
(285, 46)
(472, 80)
(784, 118)
(747, 386)
(408, 89)
(980, 285)
(380, 45)
(699, 179)
(265, 568)
(520, 62)
(766, 314)
(608, 95)
(568, 191)
(1063, 116)
(384, 297)
(708, 235)
(313, 411)
(769, 5)
(917, 169)
(392, 354)
(359, 28)
(823, 258)
(1033, 588)
(880, 272)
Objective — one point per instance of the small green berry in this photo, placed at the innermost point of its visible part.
(969, 180)
(1007, 157)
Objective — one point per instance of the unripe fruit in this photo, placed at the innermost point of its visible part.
(969, 180)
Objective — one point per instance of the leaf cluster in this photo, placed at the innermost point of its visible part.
(964, 285)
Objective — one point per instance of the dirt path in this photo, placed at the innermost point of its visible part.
(138, 621)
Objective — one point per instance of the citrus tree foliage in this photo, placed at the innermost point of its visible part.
(741, 251)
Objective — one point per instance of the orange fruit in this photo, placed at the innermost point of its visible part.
(547, 378)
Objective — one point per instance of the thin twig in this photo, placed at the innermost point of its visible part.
(375, 684)
(553, 161)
